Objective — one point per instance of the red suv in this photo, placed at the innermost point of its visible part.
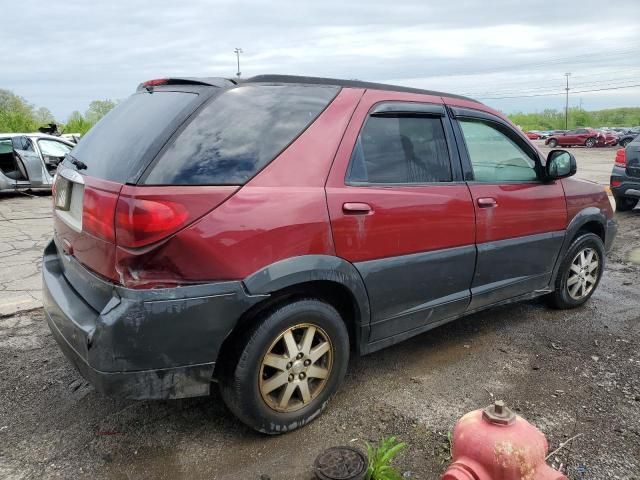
(257, 234)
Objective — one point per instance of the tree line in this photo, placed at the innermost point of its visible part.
(18, 115)
(554, 119)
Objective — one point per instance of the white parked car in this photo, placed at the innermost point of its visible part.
(30, 160)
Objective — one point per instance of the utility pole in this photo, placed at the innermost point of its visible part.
(238, 51)
(566, 104)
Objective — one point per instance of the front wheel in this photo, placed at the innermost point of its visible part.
(579, 273)
(288, 367)
(553, 143)
(590, 143)
(624, 204)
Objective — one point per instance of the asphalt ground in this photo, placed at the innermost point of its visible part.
(568, 372)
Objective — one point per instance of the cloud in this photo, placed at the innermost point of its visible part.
(70, 53)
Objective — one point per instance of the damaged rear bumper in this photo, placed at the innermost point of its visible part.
(167, 383)
(142, 344)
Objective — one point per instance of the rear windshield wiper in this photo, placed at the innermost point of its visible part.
(80, 165)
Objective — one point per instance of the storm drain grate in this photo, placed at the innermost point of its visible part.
(341, 463)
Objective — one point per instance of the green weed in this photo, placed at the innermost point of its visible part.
(380, 457)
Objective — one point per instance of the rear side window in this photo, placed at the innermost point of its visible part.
(400, 150)
(118, 146)
(494, 156)
(238, 133)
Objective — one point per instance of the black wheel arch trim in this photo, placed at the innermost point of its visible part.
(309, 268)
(587, 215)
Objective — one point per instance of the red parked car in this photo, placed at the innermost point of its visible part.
(582, 136)
(533, 135)
(257, 234)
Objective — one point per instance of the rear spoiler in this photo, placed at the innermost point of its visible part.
(218, 82)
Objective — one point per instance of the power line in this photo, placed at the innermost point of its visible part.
(591, 58)
(561, 93)
(546, 89)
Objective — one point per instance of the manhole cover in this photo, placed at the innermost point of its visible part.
(341, 463)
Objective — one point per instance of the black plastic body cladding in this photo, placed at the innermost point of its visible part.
(141, 333)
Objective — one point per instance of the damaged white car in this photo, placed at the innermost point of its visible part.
(29, 161)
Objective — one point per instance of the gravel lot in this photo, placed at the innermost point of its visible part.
(569, 373)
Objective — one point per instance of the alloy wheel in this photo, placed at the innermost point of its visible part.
(583, 273)
(296, 367)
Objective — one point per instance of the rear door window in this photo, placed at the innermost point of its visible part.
(238, 133)
(400, 150)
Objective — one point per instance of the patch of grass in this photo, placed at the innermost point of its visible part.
(380, 457)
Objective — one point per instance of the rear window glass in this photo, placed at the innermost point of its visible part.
(238, 133)
(117, 147)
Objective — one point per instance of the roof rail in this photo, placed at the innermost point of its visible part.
(348, 83)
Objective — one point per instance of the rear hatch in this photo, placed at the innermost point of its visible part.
(112, 155)
(158, 162)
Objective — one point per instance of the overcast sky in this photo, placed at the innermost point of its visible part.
(64, 54)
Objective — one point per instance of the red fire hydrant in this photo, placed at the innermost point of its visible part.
(496, 444)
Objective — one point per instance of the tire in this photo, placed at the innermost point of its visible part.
(624, 204)
(264, 360)
(553, 143)
(585, 250)
(590, 142)
(625, 142)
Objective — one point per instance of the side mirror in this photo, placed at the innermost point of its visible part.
(560, 164)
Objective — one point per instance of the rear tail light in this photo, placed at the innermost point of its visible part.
(140, 222)
(146, 215)
(621, 158)
(98, 213)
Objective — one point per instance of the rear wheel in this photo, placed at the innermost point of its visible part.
(590, 143)
(624, 204)
(289, 366)
(579, 273)
(553, 143)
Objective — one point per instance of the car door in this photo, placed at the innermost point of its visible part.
(568, 138)
(401, 212)
(29, 159)
(581, 136)
(53, 151)
(520, 218)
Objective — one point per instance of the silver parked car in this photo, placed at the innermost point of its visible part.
(30, 160)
